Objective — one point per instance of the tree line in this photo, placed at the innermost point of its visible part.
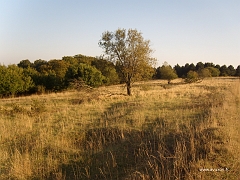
(193, 73)
(127, 58)
(58, 75)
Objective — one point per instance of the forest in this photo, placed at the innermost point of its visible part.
(42, 76)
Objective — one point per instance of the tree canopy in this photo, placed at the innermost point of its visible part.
(13, 80)
(166, 72)
(130, 52)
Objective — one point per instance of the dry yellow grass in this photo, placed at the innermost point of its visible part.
(160, 132)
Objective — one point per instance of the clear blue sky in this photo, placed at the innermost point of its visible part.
(180, 31)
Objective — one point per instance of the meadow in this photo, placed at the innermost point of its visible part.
(163, 131)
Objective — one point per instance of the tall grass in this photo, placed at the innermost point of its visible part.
(178, 131)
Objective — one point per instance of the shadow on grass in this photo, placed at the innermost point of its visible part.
(160, 150)
(155, 152)
(112, 153)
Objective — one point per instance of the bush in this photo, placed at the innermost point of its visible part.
(14, 81)
(86, 73)
(192, 76)
(214, 71)
(40, 89)
(203, 73)
(90, 75)
(166, 72)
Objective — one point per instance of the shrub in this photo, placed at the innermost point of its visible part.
(13, 80)
(203, 73)
(214, 71)
(192, 76)
(166, 72)
(89, 74)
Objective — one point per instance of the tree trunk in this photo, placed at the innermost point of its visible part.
(129, 88)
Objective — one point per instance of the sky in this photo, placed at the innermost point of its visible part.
(180, 31)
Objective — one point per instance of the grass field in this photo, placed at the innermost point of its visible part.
(176, 131)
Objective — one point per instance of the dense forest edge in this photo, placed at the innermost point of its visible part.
(74, 72)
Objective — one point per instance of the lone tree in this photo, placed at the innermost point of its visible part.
(130, 52)
(166, 72)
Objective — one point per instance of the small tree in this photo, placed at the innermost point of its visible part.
(130, 52)
(90, 75)
(214, 71)
(179, 70)
(238, 71)
(166, 72)
(107, 69)
(224, 71)
(231, 70)
(25, 64)
(199, 66)
(203, 73)
(85, 73)
(13, 80)
(192, 76)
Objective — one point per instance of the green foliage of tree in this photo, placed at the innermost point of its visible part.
(36, 77)
(149, 74)
(192, 67)
(108, 70)
(13, 80)
(3, 79)
(39, 65)
(51, 74)
(59, 67)
(128, 59)
(89, 74)
(214, 71)
(72, 72)
(25, 64)
(56, 74)
(183, 70)
(111, 75)
(217, 66)
(192, 76)
(224, 71)
(199, 66)
(84, 59)
(70, 60)
(231, 70)
(166, 72)
(130, 52)
(208, 64)
(179, 70)
(238, 71)
(204, 73)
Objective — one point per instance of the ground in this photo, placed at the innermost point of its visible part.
(162, 131)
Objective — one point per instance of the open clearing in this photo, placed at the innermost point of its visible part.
(176, 131)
